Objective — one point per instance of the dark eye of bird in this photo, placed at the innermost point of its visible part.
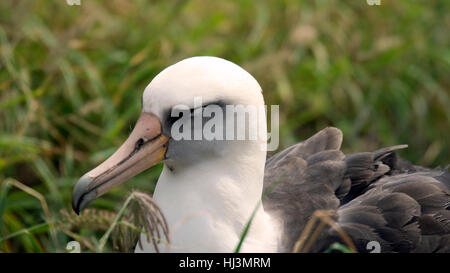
(170, 120)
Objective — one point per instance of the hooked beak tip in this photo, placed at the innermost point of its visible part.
(82, 195)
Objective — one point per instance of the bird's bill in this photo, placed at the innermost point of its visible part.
(145, 147)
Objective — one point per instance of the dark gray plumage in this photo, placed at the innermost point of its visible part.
(377, 196)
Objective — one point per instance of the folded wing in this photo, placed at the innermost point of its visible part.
(376, 196)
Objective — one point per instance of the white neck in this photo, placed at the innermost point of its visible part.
(208, 205)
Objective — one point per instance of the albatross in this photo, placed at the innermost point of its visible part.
(210, 190)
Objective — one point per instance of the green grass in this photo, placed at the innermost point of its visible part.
(71, 78)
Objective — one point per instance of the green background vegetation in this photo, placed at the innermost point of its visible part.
(71, 78)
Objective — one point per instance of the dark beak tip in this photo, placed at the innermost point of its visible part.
(82, 195)
(75, 208)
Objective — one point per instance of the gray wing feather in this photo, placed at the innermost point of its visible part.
(377, 196)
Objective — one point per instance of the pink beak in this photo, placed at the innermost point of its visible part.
(145, 147)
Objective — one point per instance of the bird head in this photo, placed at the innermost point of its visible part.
(194, 90)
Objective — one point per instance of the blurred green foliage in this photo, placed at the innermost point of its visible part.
(71, 78)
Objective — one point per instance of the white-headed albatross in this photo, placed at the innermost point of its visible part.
(208, 189)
